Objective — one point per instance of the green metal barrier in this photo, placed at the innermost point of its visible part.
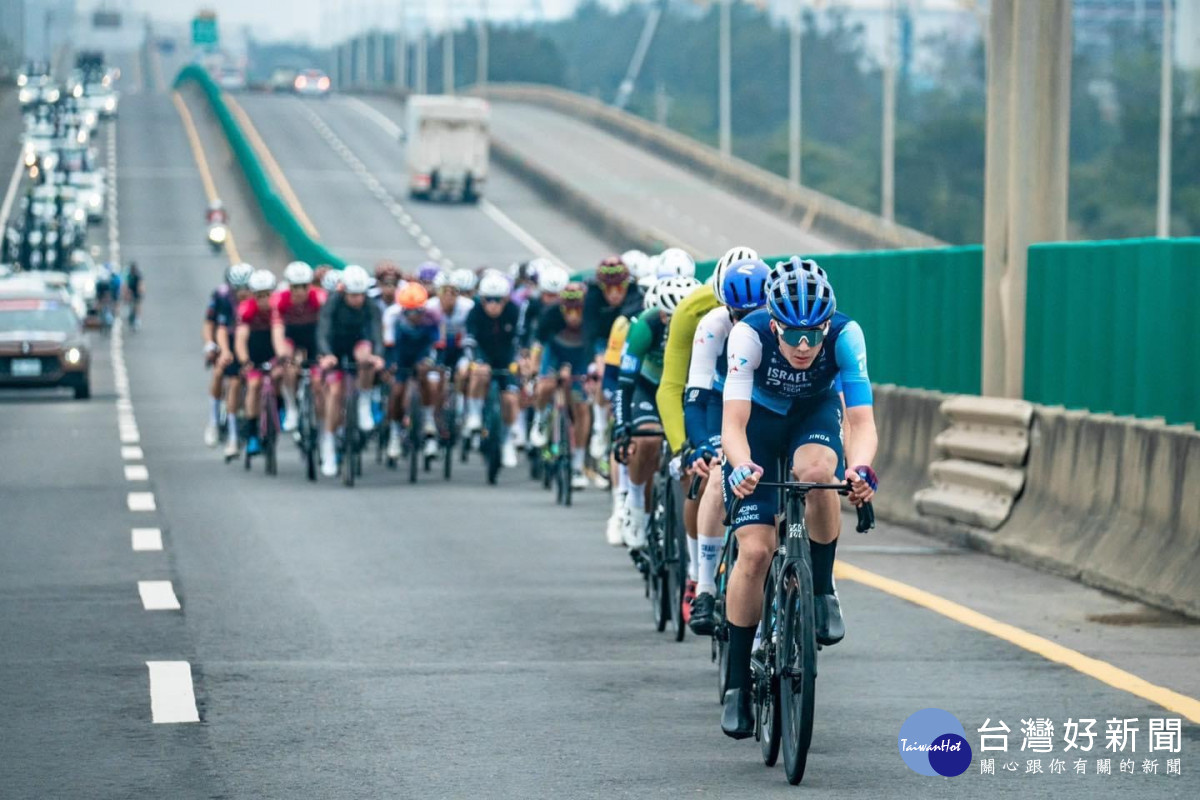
(921, 312)
(274, 209)
(1113, 326)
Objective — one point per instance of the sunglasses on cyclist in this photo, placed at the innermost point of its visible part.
(303, 287)
(262, 295)
(493, 300)
(794, 336)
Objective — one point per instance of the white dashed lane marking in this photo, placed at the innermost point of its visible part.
(133, 453)
(141, 501)
(146, 539)
(136, 472)
(172, 696)
(158, 596)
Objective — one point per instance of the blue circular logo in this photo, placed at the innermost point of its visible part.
(933, 742)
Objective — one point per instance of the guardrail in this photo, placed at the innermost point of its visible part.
(805, 206)
(274, 209)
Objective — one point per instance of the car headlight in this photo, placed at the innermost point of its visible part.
(80, 215)
(25, 95)
(73, 355)
(77, 91)
(52, 96)
(110, 104)
(22, 80)
(94, 201)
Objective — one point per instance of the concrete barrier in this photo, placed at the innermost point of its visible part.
(1113, 502)
(806, 207)
(908, 421)
(621, 231)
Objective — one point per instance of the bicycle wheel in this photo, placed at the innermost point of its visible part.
(491, 446)
(653, 553)
(349, 437)
(308, 431)
(675, 559)
(564, 456)
(270, 435)
(450, 421)
(797, 660)
(768, 719)
(415, 440)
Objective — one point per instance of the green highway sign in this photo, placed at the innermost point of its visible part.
(204, 30)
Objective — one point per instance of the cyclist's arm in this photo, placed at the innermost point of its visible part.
(209, 332)
(242, 343)
(638, 342)
(862, 438)
(325, 326)
(706, 348)
(222, 339)
(745, 354)
(374, 329)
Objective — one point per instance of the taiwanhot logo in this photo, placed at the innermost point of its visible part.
(933, 742)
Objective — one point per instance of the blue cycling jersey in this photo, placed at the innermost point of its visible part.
(758, 371)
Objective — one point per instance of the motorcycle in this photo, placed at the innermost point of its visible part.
(217, 234)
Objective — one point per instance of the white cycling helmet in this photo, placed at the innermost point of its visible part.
(298, 272)
(675, 262)
(732, 256)
(442, 280)
(463, 279)
(355, 279)
(331, 279)
(670, 292)
(263, 280)
(639, 264)
(552, 279)
(647, 282)
(239, 275)
(494, 284)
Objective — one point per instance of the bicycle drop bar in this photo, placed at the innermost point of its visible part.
(694, 489)
(866, 512)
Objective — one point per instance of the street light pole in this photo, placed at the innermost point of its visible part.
(725, 136)
(794, 99)
(448, 55)
(481, 77)
(888, 179)
(1163, 228)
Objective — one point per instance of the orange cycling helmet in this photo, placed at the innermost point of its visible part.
(412, 295)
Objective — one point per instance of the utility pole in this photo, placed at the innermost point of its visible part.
(794, 97)
(1025, 193)
(1163, 228)
(725, 134)
(887, 202)
(481, 75)
(402, 47)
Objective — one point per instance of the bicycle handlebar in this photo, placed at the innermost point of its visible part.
(866, 512)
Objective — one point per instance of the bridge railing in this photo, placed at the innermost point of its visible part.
(274, 209)
(810, 208)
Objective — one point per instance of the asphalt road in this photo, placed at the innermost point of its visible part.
(446, 640)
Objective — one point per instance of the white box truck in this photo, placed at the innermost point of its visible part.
(446, 141)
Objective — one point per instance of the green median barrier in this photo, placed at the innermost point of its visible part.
(1112, 327)
(274, 210)
(921, 311)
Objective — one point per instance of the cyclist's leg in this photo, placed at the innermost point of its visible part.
(288, 379)
(366, 380)
(254, 379)
(233, 404)
(428, 382)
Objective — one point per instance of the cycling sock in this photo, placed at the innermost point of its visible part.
(394, 429)
(693, 559)
(577, 455)
(623, 478)
(475, 405)
(599, 417)
(214, 411)
(289, 398)
(710, 552)
(741, 642)
(637, 496)
(822, 561)
(231, 425)
(427, 414)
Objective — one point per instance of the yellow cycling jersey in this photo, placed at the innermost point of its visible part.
(677, 357)
(616, 342)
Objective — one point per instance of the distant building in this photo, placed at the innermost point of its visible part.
(47, 26)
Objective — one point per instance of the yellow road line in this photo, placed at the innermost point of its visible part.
(210, 188)
(281, 181)
(1102, 671)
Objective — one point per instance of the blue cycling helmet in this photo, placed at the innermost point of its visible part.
(796, 264)
(800, 299)
(744, 284)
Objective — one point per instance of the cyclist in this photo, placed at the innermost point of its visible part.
(294, 331)
(639, 265)
(641, 369)
(565, 355)
(742, 289)
(427, 274)
(492, 348)
(781, 402)
(612, 294)
(254, 347)
(669, 398)
(134, 290)
(551, 280)
(387, 278)
(218, 353)
(349, 327)
(452, 304)
(410, 331)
